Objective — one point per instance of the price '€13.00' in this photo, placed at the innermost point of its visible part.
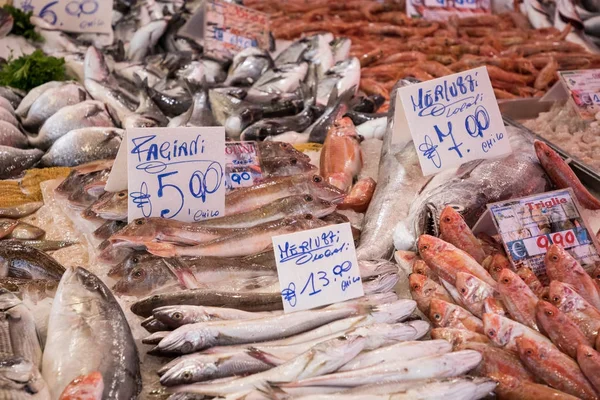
(317, 267)
(453, 120)
(176, 173)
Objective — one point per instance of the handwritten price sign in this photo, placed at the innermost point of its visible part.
(243, 164)
(452, 120)
(317, 267)
(176, 173)
(72, 15)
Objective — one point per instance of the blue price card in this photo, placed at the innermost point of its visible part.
(451, 120)
(317, 267)
(72, 15)
(176, 173)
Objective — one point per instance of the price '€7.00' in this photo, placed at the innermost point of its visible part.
(317, 267)
(176, 173)
(453, 120)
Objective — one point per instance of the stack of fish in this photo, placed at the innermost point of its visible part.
(529, 335)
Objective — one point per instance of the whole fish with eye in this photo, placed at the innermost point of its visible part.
(112, 206)
(269, 150)
(248, 66)
(275, 126)
(20, 261)
(472, 186)
(336, 108)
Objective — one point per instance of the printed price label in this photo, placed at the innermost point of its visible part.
(452, 120)
(176, 173)
(441, 10)
(584, 91)
(530, 225)
(243, 164)
(229, 28)
(317, 267)
(72, 15)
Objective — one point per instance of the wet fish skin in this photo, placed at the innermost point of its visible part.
(23, 334)
(6, 226)
(108, 229)
(112, 206)
(555, 368)
(145, 39)
(495, 263)
(268, 127)
(341, 155)
(84, 145)
(446, 260)
(11, 136)
(33, 95)
(284, 78)
(26, 231)
(52, 100)
(153, 325)
(176, 316)
(448, 315)
(458, 337)
(561, 266)
(563, 332)
(84, 387)
(454, 230)
(21, 210)
(589, 362)
(270, 150)
(563, 176)
(14, 161)
(504, 332)
(515, 388)
(275, 167)
(420, 267)
(27, 262)
(131, 262)
(7, 116)
(474, 292)
(21, 379)
(497, 361)
(531, 280)
(359, 197)
(567, 300)
(424, 289)
(333, 112)
(519, 300)
(248, 66)
(100, 330)
(46, 245)
(34, 289)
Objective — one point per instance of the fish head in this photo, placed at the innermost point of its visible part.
(173, 316)
(330, 355)
(563, 296)
(111, 205)
(189, 371)
(129, 263)
(468, 285)
(95, 65)
(306, 221)
(418, 284)
(545, 154)
(558, 259)
(318, 187)
(450, 220)
(308, 203)
(509, 280)
(440, 312)
(497, 328)
(137, 231)
(16, 370)
(545, 311)
(90, 215)
(91, 283)
(143, 280)
(528, 349)
(421, 268)
(429, 246)
(186, 339)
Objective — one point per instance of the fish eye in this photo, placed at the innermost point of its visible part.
(121, 194)
(187, 375)
(285, 145)
(425, 247)
(317, 179)
(437, 316)
(416, 286)
(308, 197)
(491, 333)
(529, 352)
(138, 273)
(177, 316)
(308, 217)
(506, 280)
(549, 313)
(463, 290)
(588, 354)
(140, 222)
(135, 260)
(554, 258)
(90, 284)
(556, 299)
(548, 153)
(293, 161)
(447, 219)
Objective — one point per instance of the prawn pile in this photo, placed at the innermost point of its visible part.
(521, 61)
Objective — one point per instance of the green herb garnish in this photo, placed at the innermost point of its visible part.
(31, 71)
(22, 25)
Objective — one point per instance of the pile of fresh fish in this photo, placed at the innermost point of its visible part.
(536, 341)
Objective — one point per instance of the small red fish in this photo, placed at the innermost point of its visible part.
(531, 280)
(448, 315)
(495, 263)
(497, 361)
(567, 300)
(561, 266)
(490, 245)
(421, 268)
(563, 176)
(473, 292)
(494, 306)
(563, 332)
(555, 368)
(458, 336)
(513, 388)
(454, 230)
(518, 299)
(341, 156)
(424, 289)
(360, 196)
(589, 362)
(84, 387)
(504, 331)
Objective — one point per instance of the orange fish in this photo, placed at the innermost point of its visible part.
(424, 289)
(555, 368)
(84, 387)
(504, 331)
(531, 280)
(454, 230)
(360, 196)
(561, 266)
(567, 300)
(473, 292)
(448, 315)
(513, 388)
(518, 299)
(495, 264)
(497, 361)
(458, 336)
(341, 156)
(589, 362)
(563, 332)
(421, 268)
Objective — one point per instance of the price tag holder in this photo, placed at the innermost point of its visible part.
(72, 15)
(317, 267)
(583, 88)
(441, 10)
(242, 164)
(176, 173)
(530, 225)
(452, 120)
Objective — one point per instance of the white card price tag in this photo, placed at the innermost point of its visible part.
(176, 173)
(317, 267)
(72, 15)
(452, 120)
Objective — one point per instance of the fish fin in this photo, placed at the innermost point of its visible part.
(333, 97)
(82, 95)
(161, 249)
(19, 273)
(263, 356)
(113, 115)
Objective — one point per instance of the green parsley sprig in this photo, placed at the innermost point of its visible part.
(32, 70)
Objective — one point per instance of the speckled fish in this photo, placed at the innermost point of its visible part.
(84, 387)
(86, 319)
(46, 245)
(561, 266)
(112, 206)
(23, 261)
(424, 289)
(253, 197)
(531, 280)
(14, 161)
(563, 176)
(454, 230)
(567, 300)
(238, 244)
(11, 136)
(446, 260)
(51, 101)
(448, 315)
(280, 208)
(83, 145)
(86, 114)
(458, 336)
(589, 362)
(518, 299)
(555, 368)
(473, 292)
(503, 332)
(563, 332)
(322, 359)
(341, 156)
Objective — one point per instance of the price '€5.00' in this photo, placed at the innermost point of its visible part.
(317, 267)
(176, 173)
(453, 120)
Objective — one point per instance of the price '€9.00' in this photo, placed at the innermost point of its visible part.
(317, 267)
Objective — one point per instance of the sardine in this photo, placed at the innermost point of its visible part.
(51, 101)
(22, 261)
(86, 318)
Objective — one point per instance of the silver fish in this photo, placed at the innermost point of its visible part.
(83, 115)
(23, 335)
(340, 47)
(20, 379)
(320, 54)
(14, 161)
(33, 95)
(145, 39)
(285, 78)
(86, 319)
(11, 136)
(52, 100)
(294, 53)
(83, 145)
(199, 113)
(344, 75)
(248, 65)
